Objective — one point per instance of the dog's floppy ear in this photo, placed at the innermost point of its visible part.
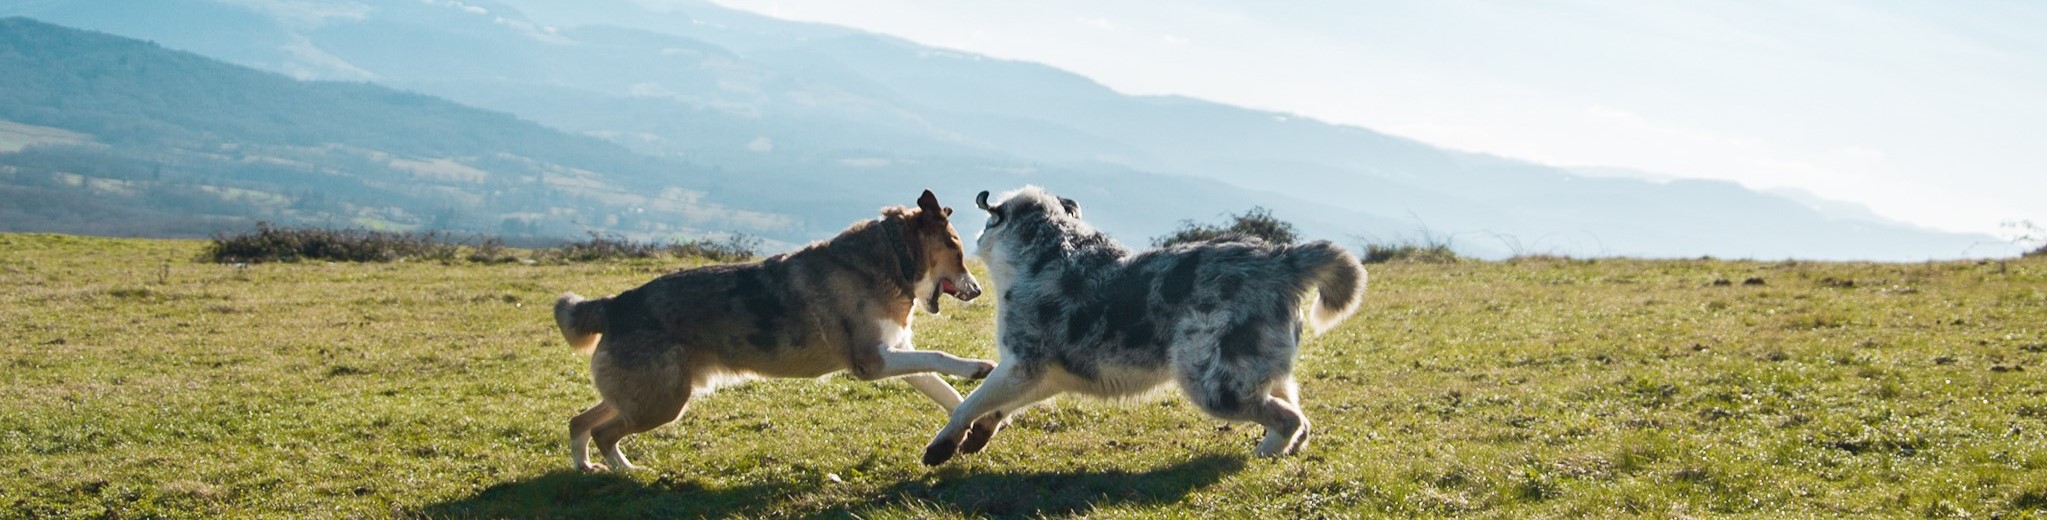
(929, 203)
(981, 201)
(1072, 208)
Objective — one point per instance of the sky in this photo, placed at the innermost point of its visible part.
(1933, 113)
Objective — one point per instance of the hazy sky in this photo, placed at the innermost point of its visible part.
(1928, 112)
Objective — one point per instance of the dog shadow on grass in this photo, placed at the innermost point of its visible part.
(1055, 493)
(573, 494)
(569, 494)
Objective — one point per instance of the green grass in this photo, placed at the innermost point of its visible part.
(139, 383)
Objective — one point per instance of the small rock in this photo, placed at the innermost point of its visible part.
(833, 478)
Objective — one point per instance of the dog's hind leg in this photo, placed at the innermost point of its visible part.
(1006, 390)
(638, 411)
(579, 434)
(607, 436)
(1286, 428)
(1284, 424)
(1289, 390)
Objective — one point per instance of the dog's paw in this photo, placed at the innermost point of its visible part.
(979, 434)
(940, 450)
(594, 467)
(982, 369)
(1300, 442)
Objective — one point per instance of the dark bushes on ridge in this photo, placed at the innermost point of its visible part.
(1257, 222)
(269, 243)
(274, 244)
(1431, 253)
(602, 246)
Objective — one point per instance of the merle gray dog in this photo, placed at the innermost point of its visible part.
(1080, 313)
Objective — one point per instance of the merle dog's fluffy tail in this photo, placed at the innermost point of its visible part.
(1336, 275)
(581, 321)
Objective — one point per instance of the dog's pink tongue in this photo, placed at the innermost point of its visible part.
(947, 286)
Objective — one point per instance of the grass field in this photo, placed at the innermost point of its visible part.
(139, 383)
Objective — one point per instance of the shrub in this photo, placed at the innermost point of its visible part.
(1257, 222)
(734, 248)
(274, 244)
(2024, 232)
(492, 250)
(1429, 253)
(602, 247)
(615, 247)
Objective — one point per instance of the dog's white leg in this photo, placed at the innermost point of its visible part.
(579, 435)
(984, 428)
(1284, 427)
(617, 459)
(902, 362)
(936, 389)
(1289, 390)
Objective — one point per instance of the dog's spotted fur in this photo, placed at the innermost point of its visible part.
(841, 304)
(1080, 313)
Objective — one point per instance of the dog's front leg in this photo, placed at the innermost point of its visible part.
(1007, 389)
(892, 363)
(936, 389)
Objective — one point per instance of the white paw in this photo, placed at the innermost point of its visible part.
(982, 369)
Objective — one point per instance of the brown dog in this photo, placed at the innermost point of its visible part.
(840, 304)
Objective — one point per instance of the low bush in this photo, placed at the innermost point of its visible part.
(734, 248)
(1257, 222)
(601, 246)
(1431, 253)
(270, 243)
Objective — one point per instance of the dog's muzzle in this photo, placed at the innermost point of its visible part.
(966, 290)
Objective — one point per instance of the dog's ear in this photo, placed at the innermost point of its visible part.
(1072, 208)
(929, 203)
(981, 201)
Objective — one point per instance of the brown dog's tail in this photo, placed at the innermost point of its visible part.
(1337, 276)
(581, 321)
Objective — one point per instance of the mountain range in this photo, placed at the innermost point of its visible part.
(690, 118)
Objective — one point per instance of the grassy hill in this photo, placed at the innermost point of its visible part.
(144, 384)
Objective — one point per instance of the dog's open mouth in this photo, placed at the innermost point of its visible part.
(945, 286)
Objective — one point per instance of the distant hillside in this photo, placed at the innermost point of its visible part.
(154, 141)
(814, 105)
(114, 136)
